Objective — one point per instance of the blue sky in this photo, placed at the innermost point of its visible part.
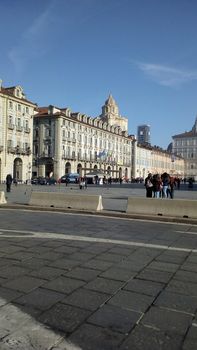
(73, 53)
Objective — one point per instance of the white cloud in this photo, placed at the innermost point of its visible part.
(165, 75)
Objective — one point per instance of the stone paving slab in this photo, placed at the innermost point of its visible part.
(40, 298)
(168, 321)
(191, 339)
(64, 318)
(83, 274)
(24, 283)
(91, 337)
(115, 318)
(86, 299)
(179, 302)
(118, 274)
(131, 300)
(144, 287)
(104, 285)
(146, 338)
(182, 287)
(63, 284)
(31, 336)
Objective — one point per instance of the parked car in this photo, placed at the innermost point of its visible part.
(39, 180)
(42, 181)
(34, 181)
(70, 178)
(51, 181)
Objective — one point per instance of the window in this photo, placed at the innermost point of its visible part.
(10, 104)
(19, 108)
(27, 109)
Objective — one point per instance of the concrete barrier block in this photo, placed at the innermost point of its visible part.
(67, 201)
(2, 197)
(162, 206)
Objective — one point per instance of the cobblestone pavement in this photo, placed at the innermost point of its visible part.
(70, 281)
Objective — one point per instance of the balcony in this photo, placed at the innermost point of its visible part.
(10, 126)
(11, 149)
(28, 151)
(19, 128)
(27, 130)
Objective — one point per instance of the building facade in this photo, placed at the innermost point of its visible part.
(185, 145)
(16, 127)
(143, 134)
(66, 142)
(155, 160)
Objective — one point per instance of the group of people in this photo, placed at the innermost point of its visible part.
(160, 186)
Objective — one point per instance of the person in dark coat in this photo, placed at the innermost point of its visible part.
(149, 185)
(8, 182)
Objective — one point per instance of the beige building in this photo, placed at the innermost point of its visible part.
(66, 142)
(155, 160)
(16, 126)
(185, 145)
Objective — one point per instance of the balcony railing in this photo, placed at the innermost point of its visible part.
(19, 128)
(27, 130)
(19, 150)
(11, 126)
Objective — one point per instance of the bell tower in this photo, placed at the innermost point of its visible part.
(110, 114)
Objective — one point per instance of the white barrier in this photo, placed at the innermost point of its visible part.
(165, 207)
(67, 201)
(2, 197)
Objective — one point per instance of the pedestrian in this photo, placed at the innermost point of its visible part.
(172, 184)
(157, 186)
(8, 182)
(149, 186)
(166, 180)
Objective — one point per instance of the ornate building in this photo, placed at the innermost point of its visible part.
(185, 145)
(155, 160)
(67, 142)
(16, 126)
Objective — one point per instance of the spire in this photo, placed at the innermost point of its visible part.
(194, 129)
(110, 100)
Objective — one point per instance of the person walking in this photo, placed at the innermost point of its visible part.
(8, 182)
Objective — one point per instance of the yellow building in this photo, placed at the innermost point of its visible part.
(155, 160)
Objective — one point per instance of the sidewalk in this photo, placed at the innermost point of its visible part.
(102, 284)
